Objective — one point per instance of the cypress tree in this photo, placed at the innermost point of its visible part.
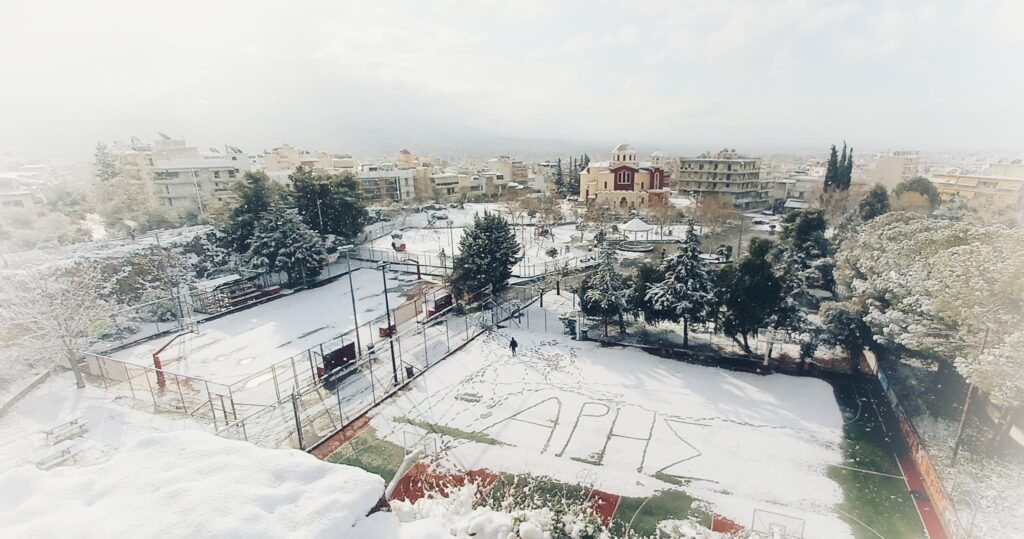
(847, 172)
(832, 171)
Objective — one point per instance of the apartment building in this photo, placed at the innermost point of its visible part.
(178, 177)
(1001, 186)
(386, 181)
(891, 168)
(625, 182)
(726, 180)
(513, 170)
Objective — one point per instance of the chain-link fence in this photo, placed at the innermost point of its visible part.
(210, 403)
(306, 397)
(312, 403)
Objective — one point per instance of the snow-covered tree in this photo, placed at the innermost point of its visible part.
(48, 318)
(487, 252)
(329, 204)
(282, 242)
(605, 293)
(104, 165)
(639, 283)
(999, 370)
(933, 285)
(688, 290)
(846, 329)
(257, 194)
(875, 203)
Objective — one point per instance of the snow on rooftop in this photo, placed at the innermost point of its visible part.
(191, 484)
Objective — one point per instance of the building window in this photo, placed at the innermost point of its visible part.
(216, 174)
(232, 172)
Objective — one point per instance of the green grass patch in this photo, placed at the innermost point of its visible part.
(449, 431)
(645, 513)
(370, 453)
(879, 501)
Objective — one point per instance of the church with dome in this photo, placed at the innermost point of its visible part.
(625, 182)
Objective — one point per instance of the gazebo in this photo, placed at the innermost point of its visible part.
(637, 226)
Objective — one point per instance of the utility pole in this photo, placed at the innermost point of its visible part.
(739, 243)
(967, 405)
(352, 292)
(320, 213)
(387, 310)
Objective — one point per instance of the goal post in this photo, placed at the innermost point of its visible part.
(772, 525)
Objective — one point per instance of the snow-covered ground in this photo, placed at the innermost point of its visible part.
(194, 484)
(426, 244)
(633, 424)
(109, 422)
(232, 348)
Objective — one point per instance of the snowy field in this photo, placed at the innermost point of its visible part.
(237, 346)
(632, 424)
(425, 245)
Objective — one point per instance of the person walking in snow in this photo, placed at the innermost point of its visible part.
(513, 345)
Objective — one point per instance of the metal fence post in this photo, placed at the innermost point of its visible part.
(298, 421)
(129, 378)
(295, 376)
(184, 406)
(213, 411)
(447, 338)
(426, 355)
(273, 374)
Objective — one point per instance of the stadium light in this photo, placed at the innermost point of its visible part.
(347, 249)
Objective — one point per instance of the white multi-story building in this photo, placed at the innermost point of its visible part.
(180, 178)
(386, 181)
(894, 167)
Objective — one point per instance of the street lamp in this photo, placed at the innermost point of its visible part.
(383, 266)
(321, 214)
(352, 292)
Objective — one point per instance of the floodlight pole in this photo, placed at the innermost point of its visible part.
(352, 292)
(383, 266)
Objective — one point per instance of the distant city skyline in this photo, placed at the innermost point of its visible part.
(446, 77)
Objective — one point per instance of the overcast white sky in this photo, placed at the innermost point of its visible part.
(380, 75)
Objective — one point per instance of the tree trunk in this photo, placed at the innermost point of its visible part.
(75, 368)
(622, 324)
(686, 332)
(606, 327)
(746, 345)
(1002, 428)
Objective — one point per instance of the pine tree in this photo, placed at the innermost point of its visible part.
(639, 283)
(559, 178)
(752, 296)
(257, 194)
(487, 252)
(687, 291)
(606, 294)
(329, 204)
(282, 242)
(832, 171)
(875, 203)
(105, 167)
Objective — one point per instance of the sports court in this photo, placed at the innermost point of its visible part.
(622, 422)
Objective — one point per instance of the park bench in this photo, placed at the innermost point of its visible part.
(65, 431)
